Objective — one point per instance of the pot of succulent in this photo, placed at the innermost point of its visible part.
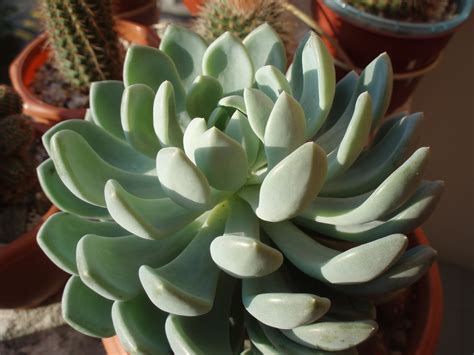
(26, 275)
(81, 45)
(210, 199)
(413, 33)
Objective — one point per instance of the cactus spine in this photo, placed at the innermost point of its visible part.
(412, 10)
(83, 41)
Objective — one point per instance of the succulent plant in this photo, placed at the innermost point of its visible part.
(413, 10)
(241, 17)
(192, 194)
(84, 43)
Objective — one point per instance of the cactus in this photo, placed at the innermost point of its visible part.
(413, 10)
(10, 102)
(84, 44)
(200, 203)
(241, 17)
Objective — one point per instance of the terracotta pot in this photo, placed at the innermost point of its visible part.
(145, 12)
(35, 54)
(193, 5)
(411, 46)
(27, 276)
(426, 323)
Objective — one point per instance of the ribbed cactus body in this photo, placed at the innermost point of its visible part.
(83, 41)
(413, 10)
(16, 132)
(17, 176)
(10, 102)
(240, 17)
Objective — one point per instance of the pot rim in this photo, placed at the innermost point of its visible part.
(374, 22)
(32, 105)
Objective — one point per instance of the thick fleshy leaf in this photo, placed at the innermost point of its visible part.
(105, 98)
(86, 311)
(272, 301)
(284, 131)
(239, 252)
(187, 285)
(291, 185)
(379, 161)
(233, 102)
(191, 136)
(272, 82)
(114, 151)
(60, 195)
(59, 235)
(140, 326)
(350, 267)
(295, 71)
(85, 173)
(227, 60)
(152, 67)
(319, 84)
(186, 49)
(388, 196)
(411, 215)
(259, 107)
(165, 119)
(181, 180)
(265, 47)
(203, 96)
(146, 218)
(222, 160)
(239, 129)
(333, 336)
(377, 80)
(342, 98)
(208, 333)
(137, 119)
(409, 269)
(354, 140)
(218, 118)
(109, 266)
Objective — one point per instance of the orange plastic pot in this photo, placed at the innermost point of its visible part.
(35, 54)
(426, 321)
(145, 12)
(412, 47)
(27, 276)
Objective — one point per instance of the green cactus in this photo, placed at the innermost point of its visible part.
(191, 180)
(10, 102)
(413, 10)
(83, 41)
(241, 17)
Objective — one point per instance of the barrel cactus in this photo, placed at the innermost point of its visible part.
(196, 192)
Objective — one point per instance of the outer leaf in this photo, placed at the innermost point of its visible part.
(186, 49)
(266, 48)
(137, 119)
(105, 98)
(227, 60)
(258, 107)
(272, 82)
(191, 136)
(94, 319)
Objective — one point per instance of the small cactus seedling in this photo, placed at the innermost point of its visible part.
(84, 44)
(191, 180)
(412, 10)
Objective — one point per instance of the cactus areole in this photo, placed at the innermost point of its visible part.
(186, 189)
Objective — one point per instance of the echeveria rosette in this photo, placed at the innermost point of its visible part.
(172, 225)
